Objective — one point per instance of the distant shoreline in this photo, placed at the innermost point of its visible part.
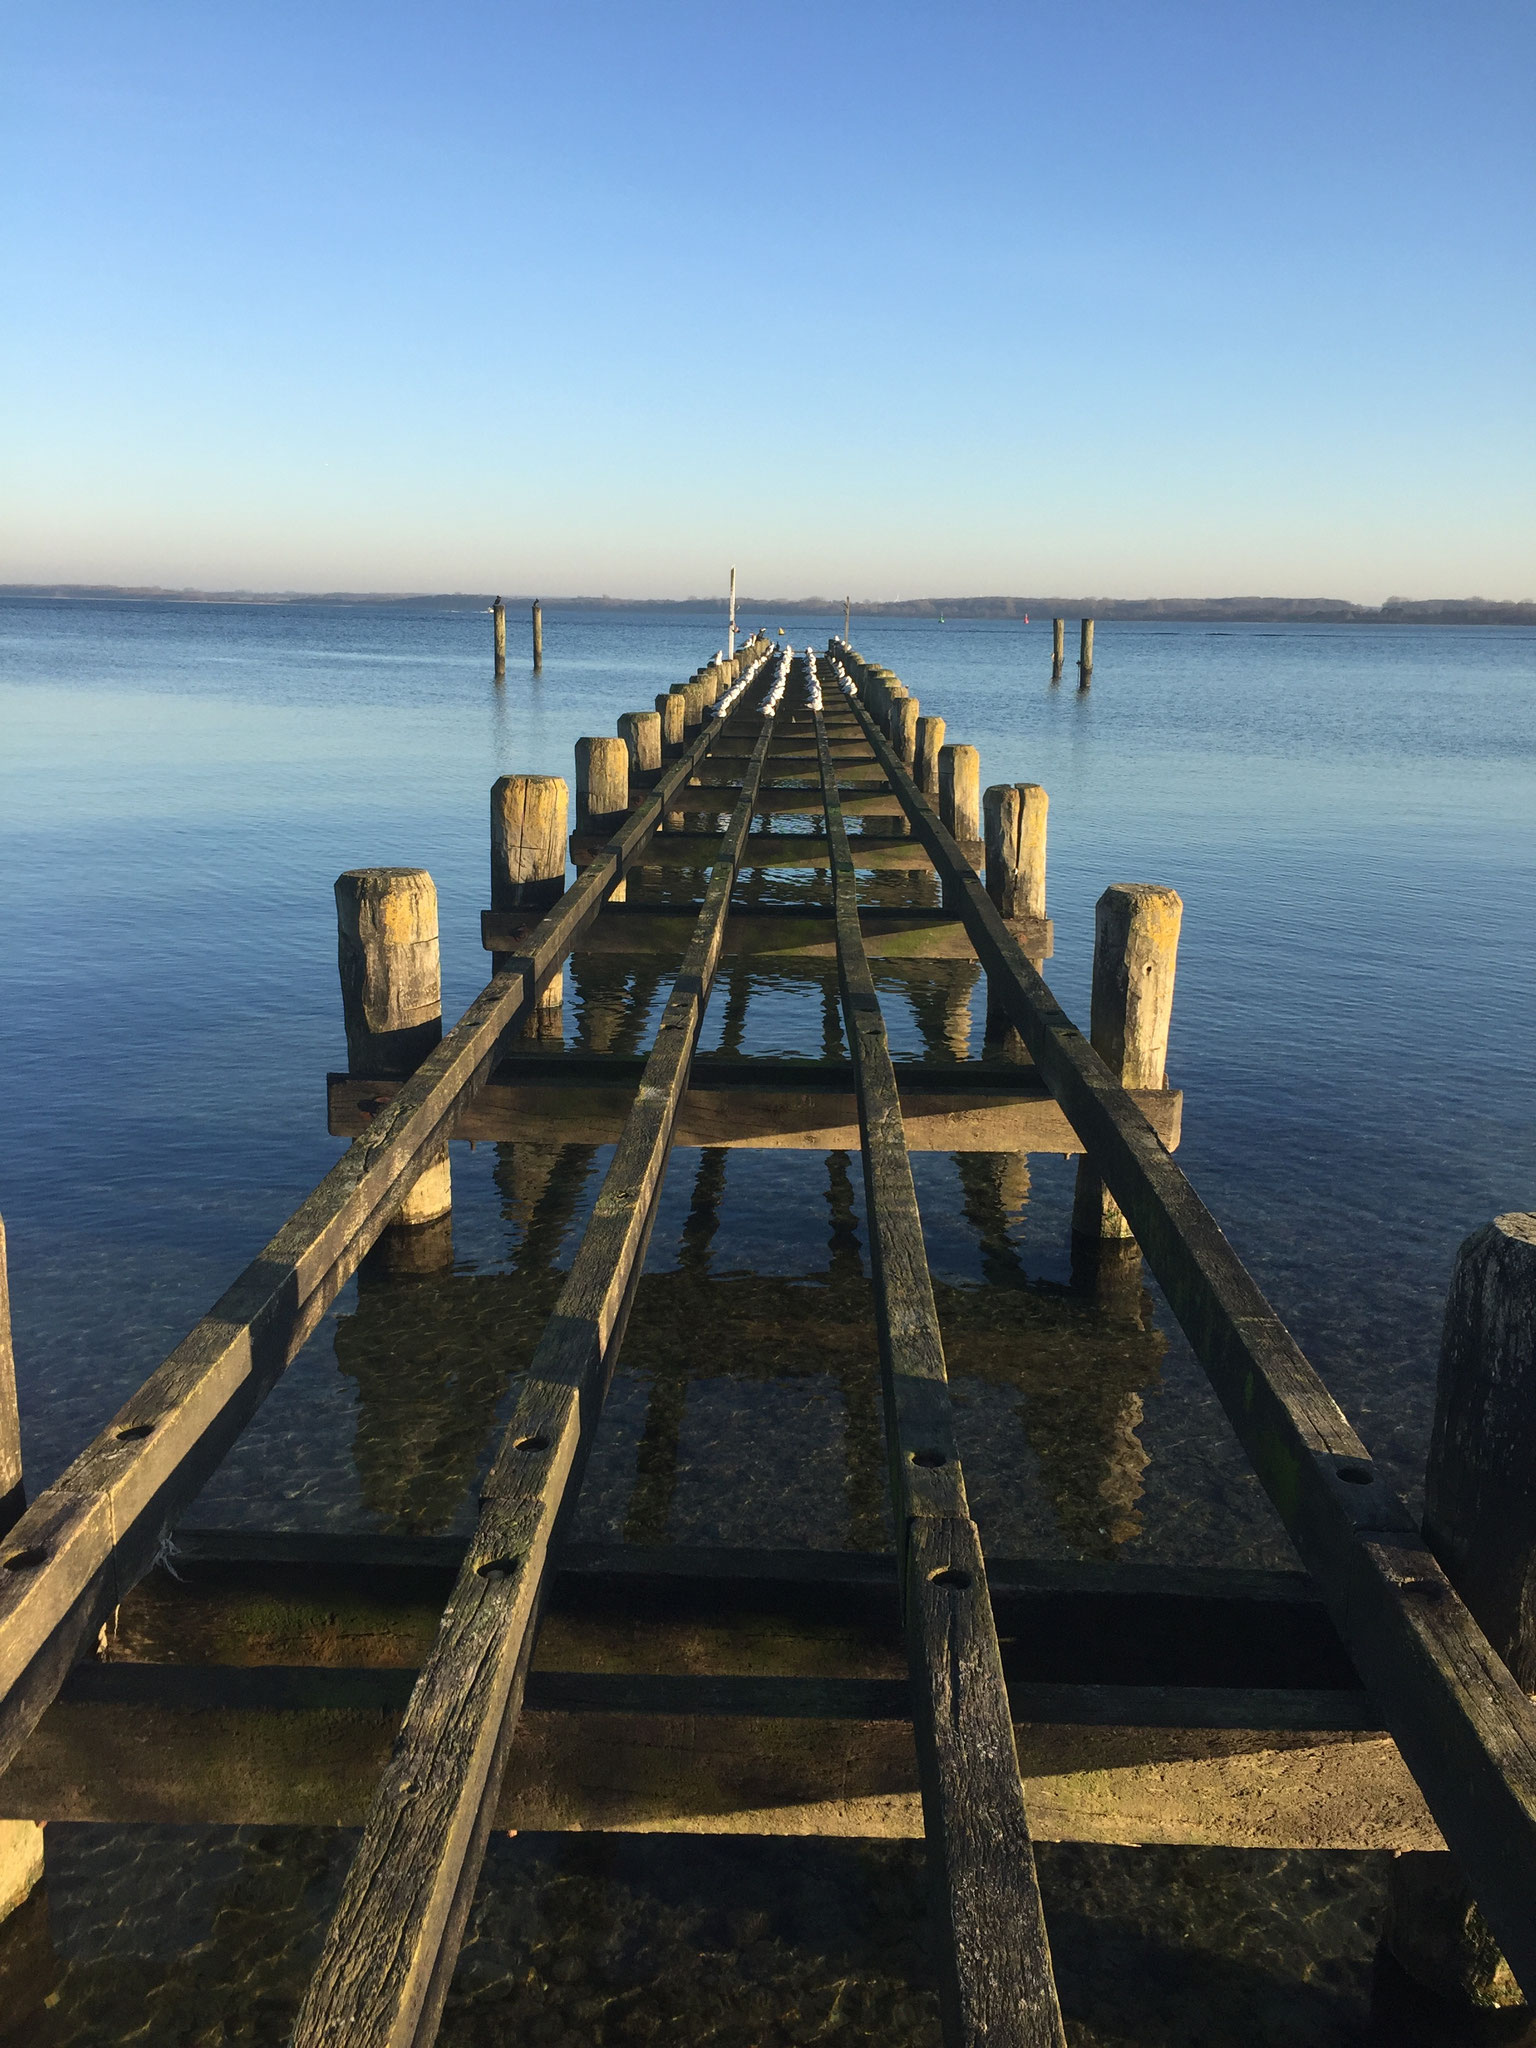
(1434, 611)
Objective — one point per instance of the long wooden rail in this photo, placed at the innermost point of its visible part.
(997, 1983)
(1465, 1729)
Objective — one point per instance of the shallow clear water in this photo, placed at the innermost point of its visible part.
(1347, 814)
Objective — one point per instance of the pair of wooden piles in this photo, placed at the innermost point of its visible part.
(1460, 1721)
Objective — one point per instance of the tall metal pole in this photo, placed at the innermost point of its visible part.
(847, 604)
(730, 645)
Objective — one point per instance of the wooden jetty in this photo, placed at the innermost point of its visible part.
(430, 1689)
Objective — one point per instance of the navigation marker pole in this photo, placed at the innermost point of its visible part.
(730, 645)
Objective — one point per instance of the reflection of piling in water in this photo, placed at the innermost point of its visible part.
(391, 995)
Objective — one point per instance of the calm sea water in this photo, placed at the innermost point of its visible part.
(1348, 814)
(1349, 817)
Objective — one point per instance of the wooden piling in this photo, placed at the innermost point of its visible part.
(392, 1003)
(12, 1493)
(1013, 828)
(1058, 648)
(602, 789)
(538, 634)
(499, 637)
(960, 791)
(529, 821)
(1480, 1520)
(641, 733)
(1085, 651)
(1135, 952)
(693, 706)
(671, 710)
(1014, 816)
(925, 765)
(904, 714)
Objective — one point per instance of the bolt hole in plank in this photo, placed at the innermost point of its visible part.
(532, 1443)
(25, 1560)
(929, 1460)
(953, 1577)
(136, 1432)
(497, 1568)
(1357, 1475)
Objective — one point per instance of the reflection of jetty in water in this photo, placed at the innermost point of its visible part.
(433, 1353)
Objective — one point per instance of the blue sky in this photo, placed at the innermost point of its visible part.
(1080, 298)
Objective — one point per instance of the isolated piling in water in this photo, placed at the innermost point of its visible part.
(1480, 1520)
(392, 1004)
(904, 714)
(499, 637)
(1085, 650)
(960, 791)
(529, 819)
(538, 634)
(641, 733)
(925, 766)
(12, 1495)
(1135, 953)
(1058, 648)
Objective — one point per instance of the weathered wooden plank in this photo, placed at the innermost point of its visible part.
(133, 1745)
(1465, 1728)
(780, 849)
(390, 1948)
(997, 1984)
(782, 1112)
(857, 801)
(774, 931)
(89, 1536)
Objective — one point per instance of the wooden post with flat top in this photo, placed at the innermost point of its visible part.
(538, 634)
(1013, 829)
(1058, 648)
(925, 767)
(904, 715)
(1085, 654)
(602, 789)
(529, 820)
(1135, 952)
(392, 1004)
(1480, 1521)
(499, 638)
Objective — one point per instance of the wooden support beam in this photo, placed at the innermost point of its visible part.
(858, 801)
(777, 849)
(1465, 1728)
(782, 932)
(790, 1105)
(996, 1982)
(131, 1745)
(390, 1950)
